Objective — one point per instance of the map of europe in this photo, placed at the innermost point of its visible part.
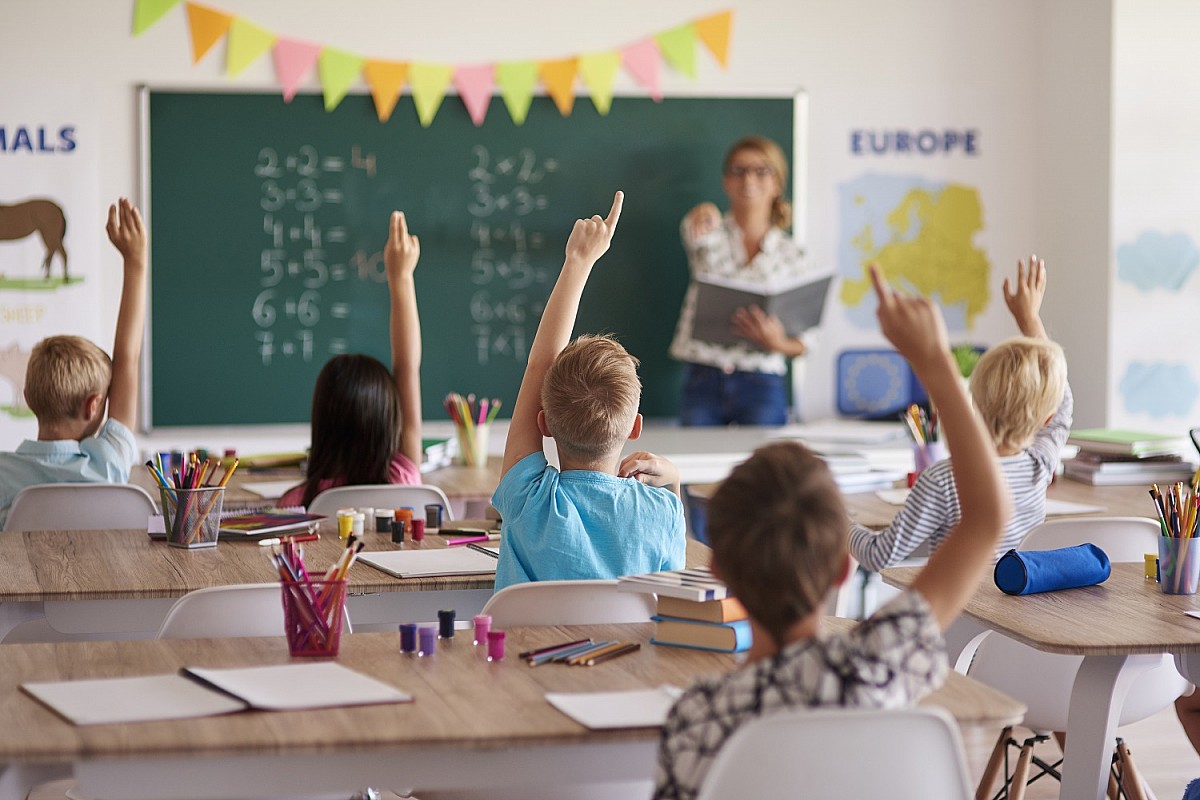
(922, 234)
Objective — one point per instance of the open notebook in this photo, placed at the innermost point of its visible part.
(466, 560)
(199, 692)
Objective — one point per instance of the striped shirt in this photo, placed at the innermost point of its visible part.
(722, 252)
(932, 510)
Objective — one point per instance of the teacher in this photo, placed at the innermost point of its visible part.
(742, 383)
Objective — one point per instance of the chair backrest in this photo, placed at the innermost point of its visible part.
(245, 609)
(80, 507)
(1124, 539)
(383, 495)
(1007, 665)
(914, 753)
(567, 603)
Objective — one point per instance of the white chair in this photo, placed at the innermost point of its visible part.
(914, 754)
(80, 507)
(567, 603)
(383, 495)
(1043, 681)
(240, 609)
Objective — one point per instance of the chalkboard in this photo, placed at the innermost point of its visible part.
(268, 222)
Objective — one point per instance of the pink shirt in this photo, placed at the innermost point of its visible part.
(401, 470)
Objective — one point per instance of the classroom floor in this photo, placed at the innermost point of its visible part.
(1159, 747)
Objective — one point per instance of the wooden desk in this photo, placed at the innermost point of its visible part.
(1109, 625)
(123, 582)
(473, 725)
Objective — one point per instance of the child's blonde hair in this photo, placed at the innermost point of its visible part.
(1016, 387)
(778, 532)
(63, 371)
(591, 396)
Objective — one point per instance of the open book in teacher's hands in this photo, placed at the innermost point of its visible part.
(798, 302)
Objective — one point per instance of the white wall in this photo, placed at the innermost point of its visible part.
(1008, 67)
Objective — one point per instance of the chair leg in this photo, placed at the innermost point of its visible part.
(994, 766)
(1131, 778)
(1020, 774)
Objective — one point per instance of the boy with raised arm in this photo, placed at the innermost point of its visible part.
(70, 382)
(777, 528)
(597, 516)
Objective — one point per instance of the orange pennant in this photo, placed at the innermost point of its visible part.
(207, 27)
(714, 32)
(385, 78)
(559, 78)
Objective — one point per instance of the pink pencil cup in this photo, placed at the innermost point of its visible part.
(313, 611)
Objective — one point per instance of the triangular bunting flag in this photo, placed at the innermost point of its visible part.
(516, 80)
(207, 25)
(293, 60)
(474, 86)
(598, 71)
(429, 82)
(385, 79)
(559, 78)
(678, 47)
(714, 32)
(338, 69)
(148, 12)
(247, 42)
(641, 59)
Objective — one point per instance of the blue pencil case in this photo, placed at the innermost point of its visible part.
(1033, 571)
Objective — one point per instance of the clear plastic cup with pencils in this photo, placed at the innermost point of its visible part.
(1178, 551)
(926, 444)
(472, 423)
(313, 611)
(192, 516)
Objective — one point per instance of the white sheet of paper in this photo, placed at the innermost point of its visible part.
(286, 687)
(459, 560)
(111, 700)
(269, 490)
(1060, 508)
(893, 497)
(1195, 614)
(639, 708)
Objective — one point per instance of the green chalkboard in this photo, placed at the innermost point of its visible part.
(268, 222)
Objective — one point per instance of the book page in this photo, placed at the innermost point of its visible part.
(114, 700)
(638, 708)
(287, 687)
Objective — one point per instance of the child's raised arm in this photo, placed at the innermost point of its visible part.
(128, 234)
(588, 241)
(915, 327)
(400, 256)
(1024, 300)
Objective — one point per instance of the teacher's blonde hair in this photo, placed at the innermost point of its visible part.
(781, 209)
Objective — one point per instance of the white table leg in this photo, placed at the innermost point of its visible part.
(1096, 700)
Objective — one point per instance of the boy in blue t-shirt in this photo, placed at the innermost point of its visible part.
(600, 516)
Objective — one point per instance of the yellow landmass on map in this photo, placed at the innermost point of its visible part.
(929, 250)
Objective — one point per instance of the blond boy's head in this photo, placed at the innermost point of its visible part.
(591, 396)
(63, 372)
(777, 528)
(1016, 387)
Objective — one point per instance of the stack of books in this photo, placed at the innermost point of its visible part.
(694, 610)
(438, 452)
(1110, 457)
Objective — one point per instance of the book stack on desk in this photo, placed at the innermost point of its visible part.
(1109, 457)
(694, 610)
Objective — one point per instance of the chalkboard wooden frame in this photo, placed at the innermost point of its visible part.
(193, 375)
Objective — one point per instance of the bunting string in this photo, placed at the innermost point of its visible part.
(339, 71)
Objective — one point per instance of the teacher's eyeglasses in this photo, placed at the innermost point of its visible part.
(739, 171)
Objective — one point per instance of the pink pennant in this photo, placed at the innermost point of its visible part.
(474, 85)
(293, 60)
(641, 59)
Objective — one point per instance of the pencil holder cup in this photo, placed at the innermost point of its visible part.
(1178, 565)
(926, 454)
(313, 611)
(192, 516)
(473, 445)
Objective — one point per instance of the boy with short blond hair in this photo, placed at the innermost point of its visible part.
(777, 528)
(598, 516)
(1021, 393)
(70, 383)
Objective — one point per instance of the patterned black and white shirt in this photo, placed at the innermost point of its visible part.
(889, 661)
(932, 509)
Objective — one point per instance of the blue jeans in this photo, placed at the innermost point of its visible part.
(712, 397)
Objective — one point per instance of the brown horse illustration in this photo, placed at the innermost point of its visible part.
(44, 217)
